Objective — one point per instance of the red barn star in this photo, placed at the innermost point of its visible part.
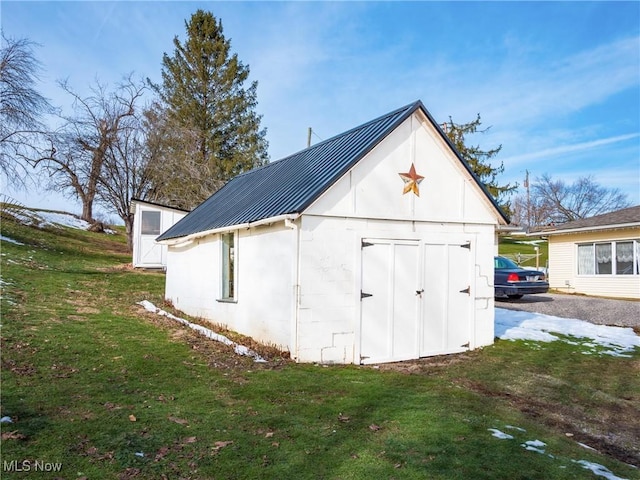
(411, 181)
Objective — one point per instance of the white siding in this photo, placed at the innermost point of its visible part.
(563, 270)
(373, 187)
(265, 259)
(330, 282)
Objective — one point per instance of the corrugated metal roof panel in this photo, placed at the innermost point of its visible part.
(288, 185)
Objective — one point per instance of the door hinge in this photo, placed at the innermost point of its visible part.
(366, 244)
(365, 295)
(466, 290)
(466, 245)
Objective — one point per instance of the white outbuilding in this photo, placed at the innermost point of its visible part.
(373, 246)
(150, 220)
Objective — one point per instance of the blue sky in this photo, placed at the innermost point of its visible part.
(557, 82)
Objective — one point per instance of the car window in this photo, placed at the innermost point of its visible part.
(501, 262)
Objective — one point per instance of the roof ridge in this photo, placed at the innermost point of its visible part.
(334, 138)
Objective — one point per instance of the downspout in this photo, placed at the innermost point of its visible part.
(295, 276)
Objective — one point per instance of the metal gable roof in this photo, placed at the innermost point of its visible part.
(290, 185)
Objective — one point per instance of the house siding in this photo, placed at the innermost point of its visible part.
(563, 272)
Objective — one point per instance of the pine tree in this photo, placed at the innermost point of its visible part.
(478, 159)
(210, 130)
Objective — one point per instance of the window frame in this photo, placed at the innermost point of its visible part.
(228, 274)
(144, 230)
(613, 245)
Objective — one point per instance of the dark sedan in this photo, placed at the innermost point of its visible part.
(513, 281)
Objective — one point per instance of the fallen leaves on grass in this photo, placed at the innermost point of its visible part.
(374, 428)
(180, 421)
(132, 418)
(220, 445)
(14, 435)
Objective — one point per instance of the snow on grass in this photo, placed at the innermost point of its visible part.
(599, 470)
(534, 446)
(499, 434)
(63, 219)
(239, 349)
(10, 240)
(539, 446)
(601, 339)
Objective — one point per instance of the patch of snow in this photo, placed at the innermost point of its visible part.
(586, 446)
(498, 434)
(515, 428)
(516, 325)
(534, 446)
(239, 349)
(10, 240)
(64, 219)
(599, 470)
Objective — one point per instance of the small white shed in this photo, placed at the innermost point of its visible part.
(373, 246)
(149, 221)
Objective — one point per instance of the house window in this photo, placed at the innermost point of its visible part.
(150, 222)
(228, 264)
(624, 258)
(610, 258)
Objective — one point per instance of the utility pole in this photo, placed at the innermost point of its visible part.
(309, 137)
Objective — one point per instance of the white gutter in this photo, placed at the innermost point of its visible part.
(194, 236)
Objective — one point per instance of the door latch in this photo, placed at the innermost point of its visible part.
(365, 295)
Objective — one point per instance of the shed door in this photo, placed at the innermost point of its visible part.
(446, 299)
(150, 251)
(389, 322)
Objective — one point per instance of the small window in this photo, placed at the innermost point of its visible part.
(228, 264)
(150, 222)
(603, 259)
(624, 258)
(586, 264)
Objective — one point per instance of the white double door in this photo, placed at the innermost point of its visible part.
(415, 299)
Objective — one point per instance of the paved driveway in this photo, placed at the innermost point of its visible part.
(603, 311)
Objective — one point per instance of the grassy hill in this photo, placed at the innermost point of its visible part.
(94, 387)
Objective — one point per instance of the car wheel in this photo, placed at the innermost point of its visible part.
(515, 297)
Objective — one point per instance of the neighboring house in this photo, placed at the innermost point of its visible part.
(598, 255)
(373, 246)
(149, 221)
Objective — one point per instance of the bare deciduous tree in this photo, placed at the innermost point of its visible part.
(22, 132)
(83, 142)
(125, 172)
(555, 202)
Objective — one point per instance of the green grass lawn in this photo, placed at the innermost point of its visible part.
(98, 388)
(516, 247)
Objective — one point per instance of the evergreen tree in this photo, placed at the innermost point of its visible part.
(208, 129)
(479, 160)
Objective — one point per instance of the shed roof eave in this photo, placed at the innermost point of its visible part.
(194, 236)
(599, 228)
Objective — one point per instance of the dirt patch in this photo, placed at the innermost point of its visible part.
(614, 432)
(216, 354)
